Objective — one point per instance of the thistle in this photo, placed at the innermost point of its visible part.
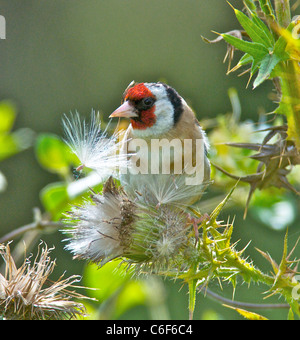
(100, 227)
(113, 225)
(27, 294)
(92, 146)
(159, 240)
(164, 190)
(275, 162)
(145, 225)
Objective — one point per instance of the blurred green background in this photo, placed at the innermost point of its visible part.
(61, 56)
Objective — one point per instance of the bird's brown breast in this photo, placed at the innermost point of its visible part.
(186, 130)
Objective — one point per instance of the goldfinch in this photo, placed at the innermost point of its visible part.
(160, 117)
(164, 153)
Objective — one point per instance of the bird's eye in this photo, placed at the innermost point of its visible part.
(148, 102)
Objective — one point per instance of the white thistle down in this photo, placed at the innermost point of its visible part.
(160, 189)
(113, 225)
(92, 146)
(96, 236)
(98, 228)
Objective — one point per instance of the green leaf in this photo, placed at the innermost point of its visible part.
(246, 59)
(266, 67)
(7, 115)
(256, 50)
(283, 263)
(255, 66)
(250, 5)
(246, 314)
(283, 12)
(8, 145)
(267, 8)
(281, 44)
(133, 294)
(52, 153)
(214, 215)
(255, 32)
(268, 35)
(107, 280)
(280, 47)
(192, 284)
(55, 198)
(291, 314)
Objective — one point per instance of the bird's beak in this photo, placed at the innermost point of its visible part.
(125, 110)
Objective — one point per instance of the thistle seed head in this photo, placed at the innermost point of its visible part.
(26, 292)
(101, 228)
(113, 225)
(92, 146)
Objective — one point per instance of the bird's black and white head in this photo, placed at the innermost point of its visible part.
(153, 108)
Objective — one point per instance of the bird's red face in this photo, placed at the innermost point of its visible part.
(139, 106)
(153, 108)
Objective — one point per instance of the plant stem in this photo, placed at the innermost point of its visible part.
(192, 294)
(240, 304)
(250, 4)
(283, 12)
(268, 11)
(38, 225)
(290, 101)
(247, 271)
(267, 8)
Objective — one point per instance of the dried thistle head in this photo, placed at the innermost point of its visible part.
(275, 162)
(26, 292)
(230, 49)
